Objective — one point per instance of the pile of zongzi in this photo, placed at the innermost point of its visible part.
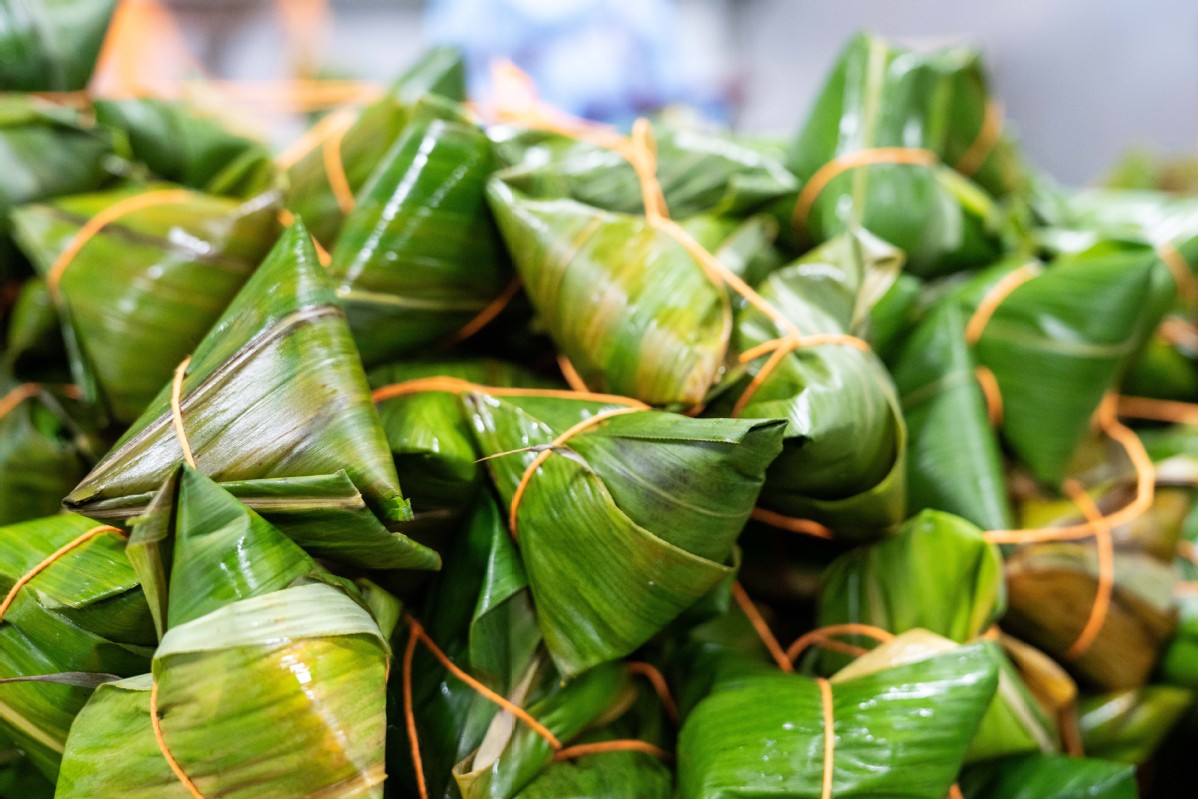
(478, 451)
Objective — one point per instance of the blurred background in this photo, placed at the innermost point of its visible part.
(1083, 81)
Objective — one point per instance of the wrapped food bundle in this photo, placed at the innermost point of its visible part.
(448, 453)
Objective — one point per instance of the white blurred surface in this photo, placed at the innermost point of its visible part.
(1082, 80)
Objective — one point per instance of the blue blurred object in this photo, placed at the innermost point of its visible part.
(609, 60)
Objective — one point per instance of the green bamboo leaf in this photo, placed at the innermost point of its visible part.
(954, 463)
(1128, 726)
(419, 257)
(658, 329)
(332, 707)
(843, 459)
(1056, 345)
(894, 315)
(479, 612)
(440, 71)
(879, 95)
(51, 45)
(641, 510)
(34, 347)
(145, 289)
(178, 144)
(189, 549)
(45, 152)
(83, 612)
(938, 573)
(512, 755)
(1049, 777)
(42, 453)
(700, 172)
(275, 391)
(611, 775)
(19, 777)
(1051, 590)
(428, 432)
(1179, 664)
(898, 731)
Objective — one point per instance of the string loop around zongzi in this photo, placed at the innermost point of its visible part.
(1145, 491)
(870, 156)
(560, 441)
(456, 385)
(826, 638)
(1106, 570)
(50, 559)
(1179, 268)
(160, 739)
(101, 220)
(984, 143)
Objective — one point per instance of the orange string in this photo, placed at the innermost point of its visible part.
(455, 385)
(660, 686)
(50, 559)
(1187, 550)
(334, 168)
(417, 633)
(981, 147)
(955, 792)
(544, 454)
(100, 221)
(791, 523)
(907, 156)
(287, 219)
(572, 378)
(1186, 588)
(823, 635)
(622, 745)
(1179, 333)
(177, 411)
(293, 95)
(991, 392)
(825, 696)
(995, 297)
(1106, 570)
(313, 137)
(409, 709)
(156, 724)
(1183, 275)
(10, 401)
(1141, 502)
(763, 630)
(987, 381)
(1157, 410)
(486, 315)
(778, 349)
